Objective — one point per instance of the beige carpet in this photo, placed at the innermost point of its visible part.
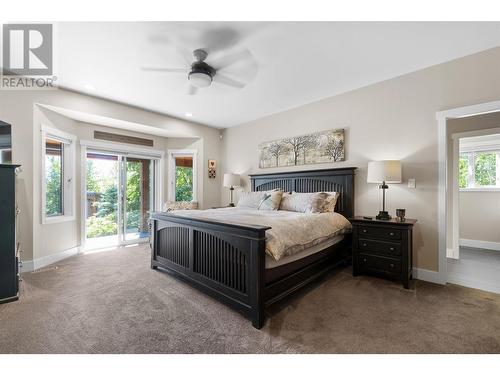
(112, 302)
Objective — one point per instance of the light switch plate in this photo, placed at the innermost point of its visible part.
(411, 183)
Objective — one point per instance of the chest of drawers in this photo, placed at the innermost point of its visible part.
(383, 247)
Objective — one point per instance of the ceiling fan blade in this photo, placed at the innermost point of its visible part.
(227, 60)
(185, 54)
(224, 80)
(192, 90)
(165, 70)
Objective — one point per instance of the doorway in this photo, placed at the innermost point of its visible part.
(475, 259)
(120, 193)
(445, 202)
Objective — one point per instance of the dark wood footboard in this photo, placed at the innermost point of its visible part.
(224, 260)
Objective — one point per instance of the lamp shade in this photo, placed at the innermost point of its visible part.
(231, 179)
(384, 170)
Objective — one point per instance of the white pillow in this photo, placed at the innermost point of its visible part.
(271, 200)
(250, 199)
(330, 201)
(303, 202)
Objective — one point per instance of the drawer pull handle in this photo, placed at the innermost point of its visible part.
(364, 259)
(391, 248)
(364, 230)
(364, 243)
(392, 265)
(391, 234)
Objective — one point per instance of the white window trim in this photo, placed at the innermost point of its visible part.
(171, 171)
(470, 175)
(69, 175)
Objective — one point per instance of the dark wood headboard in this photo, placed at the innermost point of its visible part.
(339, 179)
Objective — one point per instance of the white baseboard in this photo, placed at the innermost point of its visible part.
(456, 278)
(427, 275)
(35, 264)
(480, 244)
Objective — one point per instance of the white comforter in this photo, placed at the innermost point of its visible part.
(290, 233)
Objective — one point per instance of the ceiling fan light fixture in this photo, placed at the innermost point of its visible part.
(200, 79)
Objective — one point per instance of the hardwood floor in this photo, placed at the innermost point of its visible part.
(476, 268)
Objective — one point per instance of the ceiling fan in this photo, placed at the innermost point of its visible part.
(201, 75)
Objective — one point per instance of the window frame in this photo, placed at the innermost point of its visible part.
(172, 154)
(68, 171)
(472, 152)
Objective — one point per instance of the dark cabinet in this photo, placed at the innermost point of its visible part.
(9, 261)
(383, 247)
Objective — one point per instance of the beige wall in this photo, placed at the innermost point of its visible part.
(394, 119)
(480, 215)
(19, 108)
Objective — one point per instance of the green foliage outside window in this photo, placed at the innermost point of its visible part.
(92, 184)
(183, 184)
(53, 185)
(104, 222)
(108, 202)
(485, 169)
(133, 195)
(102, 226)
(481, 173)
(463, 170)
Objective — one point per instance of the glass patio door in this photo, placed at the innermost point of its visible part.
(120, 194)
(138, 198)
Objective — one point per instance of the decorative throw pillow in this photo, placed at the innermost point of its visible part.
(182, 205)
(330, 201)
(303, 202)
(271, 200)
(250, 199)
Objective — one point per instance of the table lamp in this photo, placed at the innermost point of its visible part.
(384, 172)
(231, 180)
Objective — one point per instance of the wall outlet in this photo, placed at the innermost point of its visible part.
(411, 183)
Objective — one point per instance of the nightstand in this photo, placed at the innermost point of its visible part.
(383, 247)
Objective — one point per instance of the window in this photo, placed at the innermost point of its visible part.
(54, 182)
(182, 176)
(57, 176)
(479, 170)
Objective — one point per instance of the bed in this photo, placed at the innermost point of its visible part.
(227, 258)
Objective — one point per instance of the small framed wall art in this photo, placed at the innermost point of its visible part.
(211, 168)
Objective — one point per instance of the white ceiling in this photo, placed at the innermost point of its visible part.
(293, 63)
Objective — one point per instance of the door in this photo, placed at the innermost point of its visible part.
(138, 198)
(120, 194)
(102, 208)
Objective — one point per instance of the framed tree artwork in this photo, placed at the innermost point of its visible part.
(322, 147)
